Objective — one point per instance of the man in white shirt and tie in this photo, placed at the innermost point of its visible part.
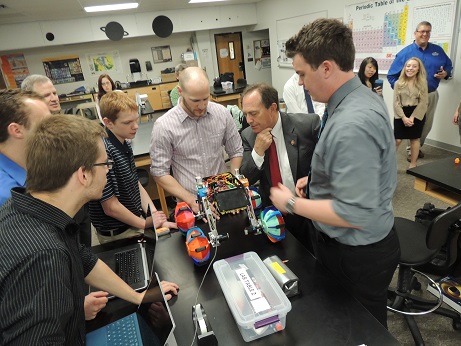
(297, 98)
(294, 136)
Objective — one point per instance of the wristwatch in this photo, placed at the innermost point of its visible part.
(290, 206)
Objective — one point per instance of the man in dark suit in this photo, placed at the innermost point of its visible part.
(278, 147)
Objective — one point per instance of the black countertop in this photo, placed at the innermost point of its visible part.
(323, 314)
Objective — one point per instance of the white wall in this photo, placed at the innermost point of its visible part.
(129, 48)
(443, 133)
(209, 60)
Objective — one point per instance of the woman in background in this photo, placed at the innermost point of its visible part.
(368, 74)
(410, 106)
(105, 85)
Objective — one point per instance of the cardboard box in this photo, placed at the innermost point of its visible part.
(256, 301)
(193, 63)
(168, 77)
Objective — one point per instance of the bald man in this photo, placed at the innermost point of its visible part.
(190, 138)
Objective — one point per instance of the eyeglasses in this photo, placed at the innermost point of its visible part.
(422, 32)
(106, 83)
(108, 163)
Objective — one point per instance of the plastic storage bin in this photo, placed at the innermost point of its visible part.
(256, 301)
(226, 85)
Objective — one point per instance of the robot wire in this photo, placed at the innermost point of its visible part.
(198, 291)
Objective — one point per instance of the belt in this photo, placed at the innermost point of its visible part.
(113, 232)
(431, 91)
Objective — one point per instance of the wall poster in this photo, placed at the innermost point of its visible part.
(161, 54)
(104, 62)
(63, 69)
(15, 70)
(381, 29)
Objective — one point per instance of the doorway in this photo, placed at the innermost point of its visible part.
(229, 51)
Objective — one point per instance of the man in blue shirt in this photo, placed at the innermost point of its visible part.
(29, 108)
(437, 64)
(20, 111)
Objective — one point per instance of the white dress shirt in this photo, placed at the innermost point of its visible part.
(293, 95)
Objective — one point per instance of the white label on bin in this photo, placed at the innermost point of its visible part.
(257, 300)
(252, 291)
(260, 304)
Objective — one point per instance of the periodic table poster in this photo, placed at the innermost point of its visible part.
(381, 28)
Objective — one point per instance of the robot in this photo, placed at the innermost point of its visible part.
(184, 216)
(271, 220)
(198, 246)
(226, 193)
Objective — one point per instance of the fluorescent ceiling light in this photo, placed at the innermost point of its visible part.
(201, 1)
(114, 7)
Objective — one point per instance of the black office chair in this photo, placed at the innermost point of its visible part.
(446, 260)
(241, 84)
(420, 244)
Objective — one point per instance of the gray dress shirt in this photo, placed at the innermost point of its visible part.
(354, 164)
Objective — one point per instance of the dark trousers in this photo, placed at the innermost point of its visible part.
(300, 228)
(364, 271)
(83, 220)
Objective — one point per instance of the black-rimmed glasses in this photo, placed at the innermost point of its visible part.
(108, 163)
(422, 32)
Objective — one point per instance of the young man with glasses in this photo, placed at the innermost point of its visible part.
(437, 64)
(20, 112)
(121, 211)
(43, 267)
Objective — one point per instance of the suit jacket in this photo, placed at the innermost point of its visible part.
(300, 135)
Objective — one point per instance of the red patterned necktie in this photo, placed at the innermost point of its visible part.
(276, 176)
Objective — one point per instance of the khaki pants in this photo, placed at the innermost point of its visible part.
(129, 233)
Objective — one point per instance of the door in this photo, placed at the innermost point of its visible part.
(229, 51)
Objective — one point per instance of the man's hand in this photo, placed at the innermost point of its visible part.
(94, 302)
(193, 204)
(441, 73)
(280, 196)
(263, 141)
(159, 218)
(170, 289)
(301, 187)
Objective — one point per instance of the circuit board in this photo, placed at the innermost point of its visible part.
(226, 192)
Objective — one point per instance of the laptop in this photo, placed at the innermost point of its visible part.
(151, 325)
(131, 259)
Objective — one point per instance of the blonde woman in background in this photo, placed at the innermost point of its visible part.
(410, 106)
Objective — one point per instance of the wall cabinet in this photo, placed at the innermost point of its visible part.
(158, 94)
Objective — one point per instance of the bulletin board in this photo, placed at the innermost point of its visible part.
(63, 69)
(288, 27)
(262, 53)
(382, 28)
